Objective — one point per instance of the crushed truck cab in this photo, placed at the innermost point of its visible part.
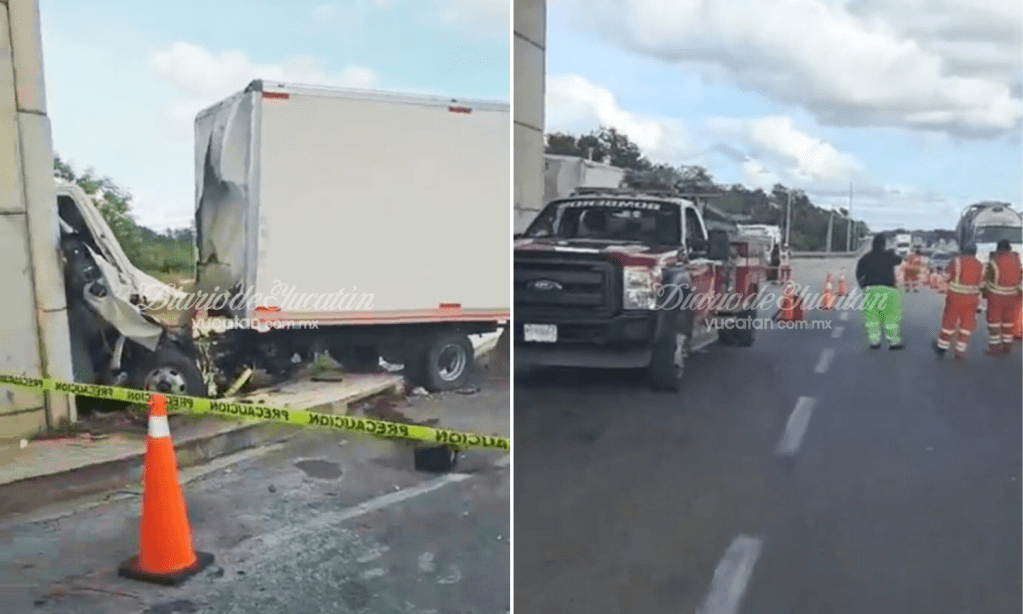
(615, 278)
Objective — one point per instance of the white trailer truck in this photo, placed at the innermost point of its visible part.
(985, 223)
(358, 222)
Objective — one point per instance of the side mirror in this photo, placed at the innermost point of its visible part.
(719, 245)
(698, 248)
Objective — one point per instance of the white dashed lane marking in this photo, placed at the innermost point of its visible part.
(837, 332)
(798, 422)
(844, 316)
(827, 354)
(732, 576)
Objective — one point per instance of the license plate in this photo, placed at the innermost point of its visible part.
(540, 333)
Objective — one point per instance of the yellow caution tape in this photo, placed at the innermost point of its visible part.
(301, 417)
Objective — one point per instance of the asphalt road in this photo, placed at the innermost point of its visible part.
(324, 523)
(893, 488)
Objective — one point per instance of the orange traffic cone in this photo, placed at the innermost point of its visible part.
(165, 553)
(791, 305)
(828, 300)
(843, 288)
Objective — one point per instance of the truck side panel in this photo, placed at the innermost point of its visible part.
(390, 206)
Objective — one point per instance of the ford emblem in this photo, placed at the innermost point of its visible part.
(545, 285)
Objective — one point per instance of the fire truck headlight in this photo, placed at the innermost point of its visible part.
(637, 288)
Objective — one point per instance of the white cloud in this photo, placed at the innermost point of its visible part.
(847, 68)
(574, 104)
(806, 160)
(476, 13)
(766, 151)
(204, 78)
(201, 74)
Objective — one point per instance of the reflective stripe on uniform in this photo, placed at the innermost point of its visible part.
(1002, 290)
(963, 288)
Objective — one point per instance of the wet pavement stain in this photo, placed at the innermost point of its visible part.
(320, 469)
(180, 606)
(356, 595)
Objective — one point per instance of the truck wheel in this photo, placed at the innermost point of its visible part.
(446, 362)
(744, 337)
(169, 371)
(667, 364)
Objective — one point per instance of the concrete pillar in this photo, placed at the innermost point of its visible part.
(34, 336)
(530, 78)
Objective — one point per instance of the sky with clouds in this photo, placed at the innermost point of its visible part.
(125, 79)
(916, 103)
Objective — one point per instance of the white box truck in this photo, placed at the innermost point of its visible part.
(563, 175)
(364, 223)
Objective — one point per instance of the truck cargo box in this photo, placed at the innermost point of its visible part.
(368, 207)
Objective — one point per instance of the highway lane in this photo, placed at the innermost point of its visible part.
(328, 522)
(901, 491)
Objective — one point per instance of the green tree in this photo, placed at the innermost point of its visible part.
(603, 144)
(152, 252)
(809, 222)
(113, 202)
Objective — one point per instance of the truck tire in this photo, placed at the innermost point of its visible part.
(169, 371)
(446, 362)
(744, 337)
(667, 364)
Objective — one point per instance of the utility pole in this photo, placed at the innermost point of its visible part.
(831, 223)
(848, 231)
(788, 217)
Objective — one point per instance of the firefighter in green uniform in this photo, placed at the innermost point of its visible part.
(882, 310)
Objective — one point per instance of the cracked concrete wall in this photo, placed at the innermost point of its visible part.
(530, 68)
(34, 336)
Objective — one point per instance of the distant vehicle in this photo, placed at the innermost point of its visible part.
(984, 224)
(565, 174)
(938, 261)
(903, 243)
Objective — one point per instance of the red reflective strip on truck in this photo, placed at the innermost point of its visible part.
(450, 305)
(465, 110)
(276, 95)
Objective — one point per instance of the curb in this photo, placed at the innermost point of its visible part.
(126, 473)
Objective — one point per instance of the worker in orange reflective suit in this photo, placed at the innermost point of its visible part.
(965, 276)
(1003, 290)
(911, 271)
